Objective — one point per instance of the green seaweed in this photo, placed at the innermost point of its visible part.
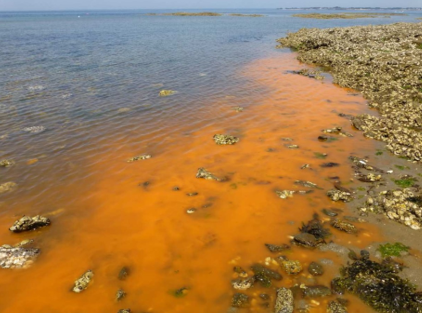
(405, 183)
(379, 153)
(392, 249)
(401, 167)
(320, 155)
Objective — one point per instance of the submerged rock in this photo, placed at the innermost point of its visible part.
(82, 283)
(336, 307)
(277, 248)
(316, 74)
(27, 223)
(34, 129)
(315, 228)
(337, 131)
(307, 184)
(315, 269)
(139, 157)
(284, 302)
(8, 187)
(203, 173)
(316, 291)
(123, 273)
(17, 257)
(225, 139)
(238, 109)
(240, 300)
(124, 311)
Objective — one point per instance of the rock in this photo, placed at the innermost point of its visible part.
(316, 74)
(260, 269)
(123, 273)
(329, 165)
(307, 184)
(284, 194)
(337, 131)
(120, 294)
(339, 249)
(166, 93)
(17, 257)
(27, 223)
(240, 300)
(291, 267)
(316, 291)
(315, 228)
(124, 311)
(331, 212)
(238, 109)
(203, 173)
(307, 240)
(291, 146)
(284, 302)
(336, 307)
(6, 163)
(192, 194)
(315, 269)
(82, 283)
(34, 129)
(139, 157)
(225, 139)
(305, 166)
(243, 284)
(277, 248)
(337, 195)
(8, 187)
(344, 226)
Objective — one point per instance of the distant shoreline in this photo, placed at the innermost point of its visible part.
(356, 8)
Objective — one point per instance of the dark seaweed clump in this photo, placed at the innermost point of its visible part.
(379, 287)
(315, 227)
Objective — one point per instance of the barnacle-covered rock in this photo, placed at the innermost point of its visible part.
(139, 157)
(336, 307)
(284, 194)
(337, 131)
(243, 284)
(82, 283)
(316, 291)
(307, 184)
(307, 240)
(291, 267)
(17, 257)
(6, 163)
(344, 226)
(225, 139)
(339, 195)
(315, 269)
(383, 62)
(316, 74)
(203, 173)
(240, 300)
(29, 223)
(284, 302)
(277, 248)
(8, 187)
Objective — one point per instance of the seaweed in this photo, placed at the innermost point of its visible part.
(405, 182)
(378, 286)
(392, 249)
(315, 228)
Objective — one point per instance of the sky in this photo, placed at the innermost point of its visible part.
(31, 5)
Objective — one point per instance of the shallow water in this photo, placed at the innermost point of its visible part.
(93, 83)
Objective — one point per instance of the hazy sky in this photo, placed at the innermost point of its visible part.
(7, 5)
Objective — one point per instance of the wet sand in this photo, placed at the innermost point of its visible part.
(127, 214)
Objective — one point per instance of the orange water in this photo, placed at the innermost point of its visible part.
(105, 220)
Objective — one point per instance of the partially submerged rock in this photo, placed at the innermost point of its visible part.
(166, 93)
(123, 273)
(284, 302)
(225, 139)
(284, 194)
(203, 173)
(315, 269)
(243, 284)
(337, 131)
(139, 157)
(17, 257)
(307, 240)
(120, 294)
(307, 184)
(34, 129)
(27, 223)
(6, 163)
(315, 228)
(338, 195)
(264, 275)
(8, 187)
(316, 74)
(82, 283)
(292, 267)
(344, 226)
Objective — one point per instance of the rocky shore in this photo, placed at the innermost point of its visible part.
(384, 64)
(347, 15)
